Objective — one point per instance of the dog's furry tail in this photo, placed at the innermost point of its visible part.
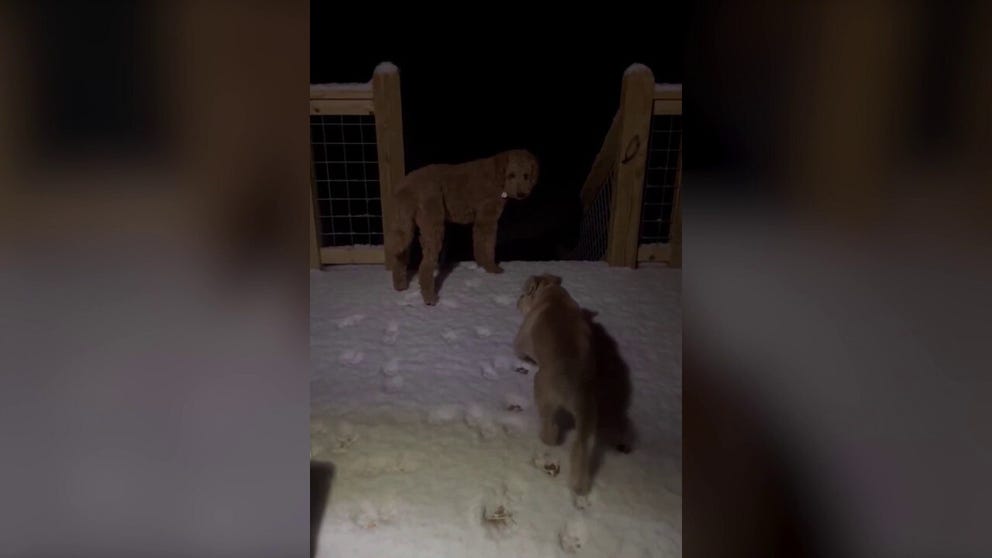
(401, 225)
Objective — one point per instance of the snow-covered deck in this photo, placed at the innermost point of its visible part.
(428, 421)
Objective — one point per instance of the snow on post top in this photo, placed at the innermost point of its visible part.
(636, 69)
(386, 67)
(352, 88)
(329, 87)
(668, 91)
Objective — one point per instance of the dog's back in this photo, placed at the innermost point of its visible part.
(562, 339)
(438, 176)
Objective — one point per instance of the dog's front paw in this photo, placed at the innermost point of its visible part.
(581, 484)
(401, 280)
(430, 299)
(493, 268)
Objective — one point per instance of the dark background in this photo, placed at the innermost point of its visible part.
(139, 327)
(477, 85)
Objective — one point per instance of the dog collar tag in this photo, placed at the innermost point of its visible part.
(503, 195)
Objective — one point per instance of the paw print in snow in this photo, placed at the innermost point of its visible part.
(496, 510)
(369, 516)
(450, 335)
(412, 298)
(524, 367)
(488, 371)
(513, 422)
(573, 535)
(344, 437)
(392, 384)
(392, 332)
(548, 464)
(483, 331)
(515, 402)
(391, 368)
(350, 320)
(352, 357)
(443, 414)
(479, 420)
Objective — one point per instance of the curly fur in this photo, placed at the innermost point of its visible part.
(465, 193)
(556, 335)
(580, 371)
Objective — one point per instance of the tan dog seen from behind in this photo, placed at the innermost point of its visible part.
(474, 193)
(557, 335)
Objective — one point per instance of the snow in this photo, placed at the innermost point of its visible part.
(636, 68)
(668, 88)
(428, 419)
(335, 87)
(386, 67)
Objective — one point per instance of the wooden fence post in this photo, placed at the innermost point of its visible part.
(675, 238)
(389, 137)
(314, 227)
(636, 108)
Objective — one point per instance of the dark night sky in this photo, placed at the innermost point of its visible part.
(470, 91)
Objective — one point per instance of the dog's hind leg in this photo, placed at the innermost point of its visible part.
(547, 405)
(484, 232)
(521, 346)
(397, 247)
(580, 470)
(484, 246)
(431, 224)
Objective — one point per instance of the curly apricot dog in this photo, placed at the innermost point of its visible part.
(468, 193)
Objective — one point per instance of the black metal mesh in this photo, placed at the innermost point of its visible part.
(595, 227)
(346, 172)
(659, 180)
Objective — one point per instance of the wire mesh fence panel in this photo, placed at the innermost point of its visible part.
(346, 174)
(660, 178)
(595, 226)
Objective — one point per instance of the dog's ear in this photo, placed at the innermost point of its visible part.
(530, 285)
(501, 161)
(553, 279)
(589, 314)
